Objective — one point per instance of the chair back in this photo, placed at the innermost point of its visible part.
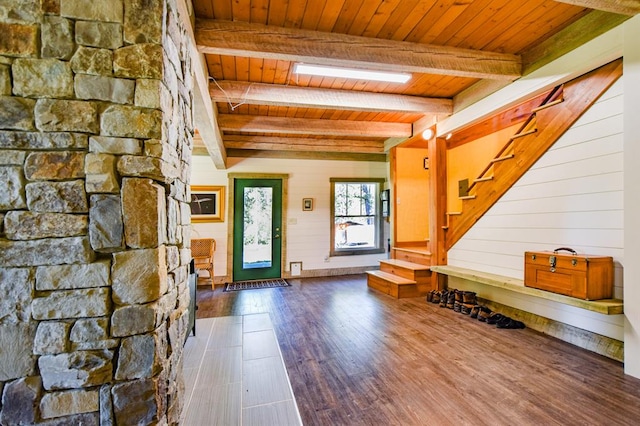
(203, 248)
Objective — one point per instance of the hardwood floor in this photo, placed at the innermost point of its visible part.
(358, 357)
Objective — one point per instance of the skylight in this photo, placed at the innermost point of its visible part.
(352, 73)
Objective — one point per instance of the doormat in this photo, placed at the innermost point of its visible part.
(250, 285)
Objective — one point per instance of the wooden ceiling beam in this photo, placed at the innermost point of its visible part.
(308, 142)
(622, 7)
(307, 155)
(271, 42)
(304, 126)
(322, 145)
(279, 95)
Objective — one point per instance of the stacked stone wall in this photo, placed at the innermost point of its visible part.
(95, 151)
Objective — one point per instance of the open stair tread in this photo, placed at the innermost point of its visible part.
(395, 279)
(406, 265)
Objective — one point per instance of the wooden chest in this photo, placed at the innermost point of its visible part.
(582, 276)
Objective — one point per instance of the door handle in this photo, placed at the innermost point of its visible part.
(277, 236)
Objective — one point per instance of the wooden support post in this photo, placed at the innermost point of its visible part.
(437, 204)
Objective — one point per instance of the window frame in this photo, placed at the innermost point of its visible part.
(379, 237)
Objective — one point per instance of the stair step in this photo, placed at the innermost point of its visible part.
(454, 213)
(506, 157)
(395, 279)
(483, 179)
(523, 134)
(468, 197)
(405, 265)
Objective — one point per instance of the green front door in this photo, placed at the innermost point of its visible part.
(257, 229)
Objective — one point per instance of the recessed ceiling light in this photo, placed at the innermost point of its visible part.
(427, 134)
(324, 71)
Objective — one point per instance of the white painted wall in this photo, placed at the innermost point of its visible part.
(572, 197)
(307, 231)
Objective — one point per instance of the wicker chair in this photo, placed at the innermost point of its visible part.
(202, 253)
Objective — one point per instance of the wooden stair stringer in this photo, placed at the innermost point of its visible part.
(579, 95)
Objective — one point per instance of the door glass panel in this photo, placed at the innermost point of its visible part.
(258, 215)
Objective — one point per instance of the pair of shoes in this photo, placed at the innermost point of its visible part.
(469, 297)
(475, 310)
(458, 295)
(494, 317)
(467, 308)
(436, 297)
(510, 323)
(451, 299)
(483, 313)
(444, 297)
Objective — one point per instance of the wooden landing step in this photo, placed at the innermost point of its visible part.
(393, 285)
(420, 255)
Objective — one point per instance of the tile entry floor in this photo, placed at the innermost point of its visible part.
(235, 375)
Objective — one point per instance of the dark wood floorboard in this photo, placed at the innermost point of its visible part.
(359, 357)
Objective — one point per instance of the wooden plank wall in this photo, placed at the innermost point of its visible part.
(573, 196)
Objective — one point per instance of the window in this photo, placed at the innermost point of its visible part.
(356, 224)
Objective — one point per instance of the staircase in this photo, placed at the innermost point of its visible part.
(406, 274)
(545, 125)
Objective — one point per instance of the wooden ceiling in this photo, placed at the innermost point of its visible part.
(457, 51)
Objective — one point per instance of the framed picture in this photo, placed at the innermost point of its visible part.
(207, 204)
(307, 204)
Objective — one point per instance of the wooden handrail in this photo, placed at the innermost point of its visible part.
(551, 98)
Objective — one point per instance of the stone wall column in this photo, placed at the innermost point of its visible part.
(95, 150)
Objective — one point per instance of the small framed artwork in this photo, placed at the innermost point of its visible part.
(307, 204)
(207, 204)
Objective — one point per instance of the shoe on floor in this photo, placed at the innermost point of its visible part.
(475, 310)
(469, 297)
(484, 313)
(495, 317)
(435, 297)
(510, 324)
(466, 308)
(451, 299)
(444, 296)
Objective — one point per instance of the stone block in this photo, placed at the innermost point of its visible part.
(65, 403)
(51, 338)
(36, 140)
(18, 40)
(16, 113)
(173, 217)
(139, 276)
(20, 11)
(51, 251)
(16, 294)
(12, 157)
(110, 145)
(143, 21)
(153, 148)
(95, 345)
(131, 122)
(133, 319)
(106, 35)
(144, 213)
(178, 328)
(76, 370)
(69, 277)
(16, 359)
(138, 61)
(101, 176)
(42, 78)
(151, 167)
(57, 197)
(106, 406)
(116, 90)
(88, 60)
(19, 401)
(148, 93)
(135, 402)
(54, 115)
(12, 190)
(106, 227)
(57, 165)
(173, 258)
(5, 80)
(91, 10)
(84, 419)
(89, 330)
(24, 225)
(51, 7)
(141, 356)
(92, 302)
(57, 38)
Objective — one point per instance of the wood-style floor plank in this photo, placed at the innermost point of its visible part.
(358, 357)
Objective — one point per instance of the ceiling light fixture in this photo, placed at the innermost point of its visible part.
(427, 134)
(352, 73)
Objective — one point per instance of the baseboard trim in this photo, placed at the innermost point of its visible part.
(332, 272)
(602, 345)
